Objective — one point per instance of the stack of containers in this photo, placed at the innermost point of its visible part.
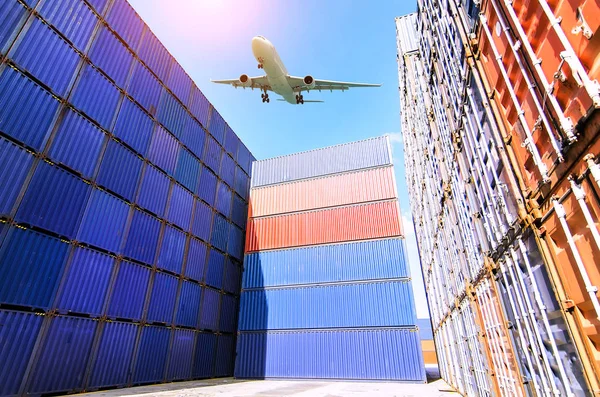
(500, 124)
(326, 290)
(122, 206)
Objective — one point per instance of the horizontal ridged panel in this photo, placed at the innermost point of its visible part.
(154, 191)
(104, 221)
(164, 149)
(204, 357)
(188, 170)
(372, 152)
(214, 274)
(189, 304)
(425, 331)
(17, 93)
(134, 127)
(145, 88)
(193, 136)
(12, 15)
(196, 260)
(54, 200)
(142, 238)
(171, 114)
(216, 126)
(120, 170)
(47, 56)
(77, 143)
(180, 83)
(209, 317)
(110, 55)
(225, 359)
(377, 354)
(129, 291)
(375, 304)
(73, 18)
(180, 359)
(171, 250)
(68, 342)
(365, 260)
(359, 222)
(207, 189)
(180, 207)
(152, 355)
(18, 333)
(202, 221)
(200, 106)
(155, 55)
(125, 21)
(229, 311)
(162, 300)
(220, 233)
(356, 187)
(86, 282)
(15, 164)
(115, 352)
(92, 85)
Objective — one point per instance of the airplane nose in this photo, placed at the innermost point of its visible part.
(257, 45)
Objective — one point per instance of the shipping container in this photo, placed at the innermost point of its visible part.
(330, 191)
(102, 140)
(494, 96)
(355, 222)
(366, 304)
(367, 260)
(370, 354)
(346, 157)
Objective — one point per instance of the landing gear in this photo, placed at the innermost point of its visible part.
(260, 66)
(265, 97)
(299, 99)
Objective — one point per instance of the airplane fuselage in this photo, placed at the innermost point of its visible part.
(266, 55)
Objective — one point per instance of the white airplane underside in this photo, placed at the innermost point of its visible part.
(277, 79)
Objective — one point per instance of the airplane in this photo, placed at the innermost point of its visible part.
(277, 79)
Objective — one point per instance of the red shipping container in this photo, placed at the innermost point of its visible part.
(357, 222)
(331, 191)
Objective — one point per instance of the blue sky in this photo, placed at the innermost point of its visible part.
(347, 40)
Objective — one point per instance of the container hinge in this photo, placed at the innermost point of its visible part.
(583, 27)
(568, 305)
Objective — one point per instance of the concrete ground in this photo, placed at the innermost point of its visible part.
(229, 387)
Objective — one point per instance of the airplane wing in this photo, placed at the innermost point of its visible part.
(259, 82)
(325, 85)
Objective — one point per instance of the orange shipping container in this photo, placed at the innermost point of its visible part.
(570, 230)
(357, 222)
(331, 191)
(542, 61)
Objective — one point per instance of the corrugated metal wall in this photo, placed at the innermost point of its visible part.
(110, 158)
(499, 106)
(326, 284)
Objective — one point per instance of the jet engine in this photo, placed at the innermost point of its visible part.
(309, 82)
(245, 81)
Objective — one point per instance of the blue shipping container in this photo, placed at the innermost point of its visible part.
(112, 57)
(180, 359)
(372, 304)
(189, 304)
(204, 357)
(162, 300)
(377, 354)
(366, 260)
(18, 333)
(171, 250)
(12, 15)
(209, 318)
(15, 164)
(129, 291)
(73, 18)
(196, 260)
(115, 352)
(152, 355)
